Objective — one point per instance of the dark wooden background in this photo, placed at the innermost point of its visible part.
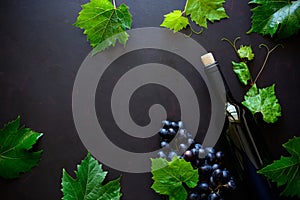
(40, 53)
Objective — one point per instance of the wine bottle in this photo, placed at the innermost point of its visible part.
(241, 132)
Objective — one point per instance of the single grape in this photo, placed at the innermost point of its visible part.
(231, 184)
(182, 147)
(195, 151)
(164, 133)
(161, 154)
(203, 196)
(188, 155)
(217, 175)
(203, 187)
(174, 124)
(194, 196)
(172, 132)
(198, 146)
(182, 133)
(214, 196)
(172, 154)
(210, 150)
(225, 176)
(190, 141)
(180, 124)
(164, 144)
(166, 123)
(212, 183)
(220, 156)
(201, 153)
(215, 166)
(211, 157)
(197, 163)
(205, 170)
(189, 135)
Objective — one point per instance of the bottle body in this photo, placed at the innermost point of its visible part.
(243, 136)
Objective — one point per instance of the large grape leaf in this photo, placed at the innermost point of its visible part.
(104, 24)
(175, 21)
(169, 177)
(264, 101)
(280, 18)
(16, 154)
(202, 10)
(88, 183)
(242, 71)
(286, 171)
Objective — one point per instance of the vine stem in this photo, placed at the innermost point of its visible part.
(196, 32)
(266, 59)
(186, 3)
(114, 2)
(192, 29)
(233, 44)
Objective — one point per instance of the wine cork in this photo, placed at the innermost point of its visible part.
(208, 59)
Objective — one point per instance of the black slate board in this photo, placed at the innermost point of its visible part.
(40, 54)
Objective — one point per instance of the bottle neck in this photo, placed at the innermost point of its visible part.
(240, 119)
(217, 82)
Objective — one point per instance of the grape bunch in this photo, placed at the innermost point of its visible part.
(215, 181)
(179, 145)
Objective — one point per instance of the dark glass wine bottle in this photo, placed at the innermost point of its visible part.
(242, 133)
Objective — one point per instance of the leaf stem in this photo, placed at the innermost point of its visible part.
(186, 3)
(266, 59)
(114, 2)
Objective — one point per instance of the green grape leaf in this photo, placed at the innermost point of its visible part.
(104, 24)
(246, 52)
(88, 183)
(286, 170)
(169, 177)
(16, 154)
(242, 71)
(175, 21)
(263, 101)
(202, 10)
(280, 18)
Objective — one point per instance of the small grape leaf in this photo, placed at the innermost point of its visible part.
(246, 52)
(104, 24)
(88, 184)
(169, 176)
(275, 17)
(175, 21)
(286, 170)
(16, 154)
(202, 10)
(242, 71)
(264, 101)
